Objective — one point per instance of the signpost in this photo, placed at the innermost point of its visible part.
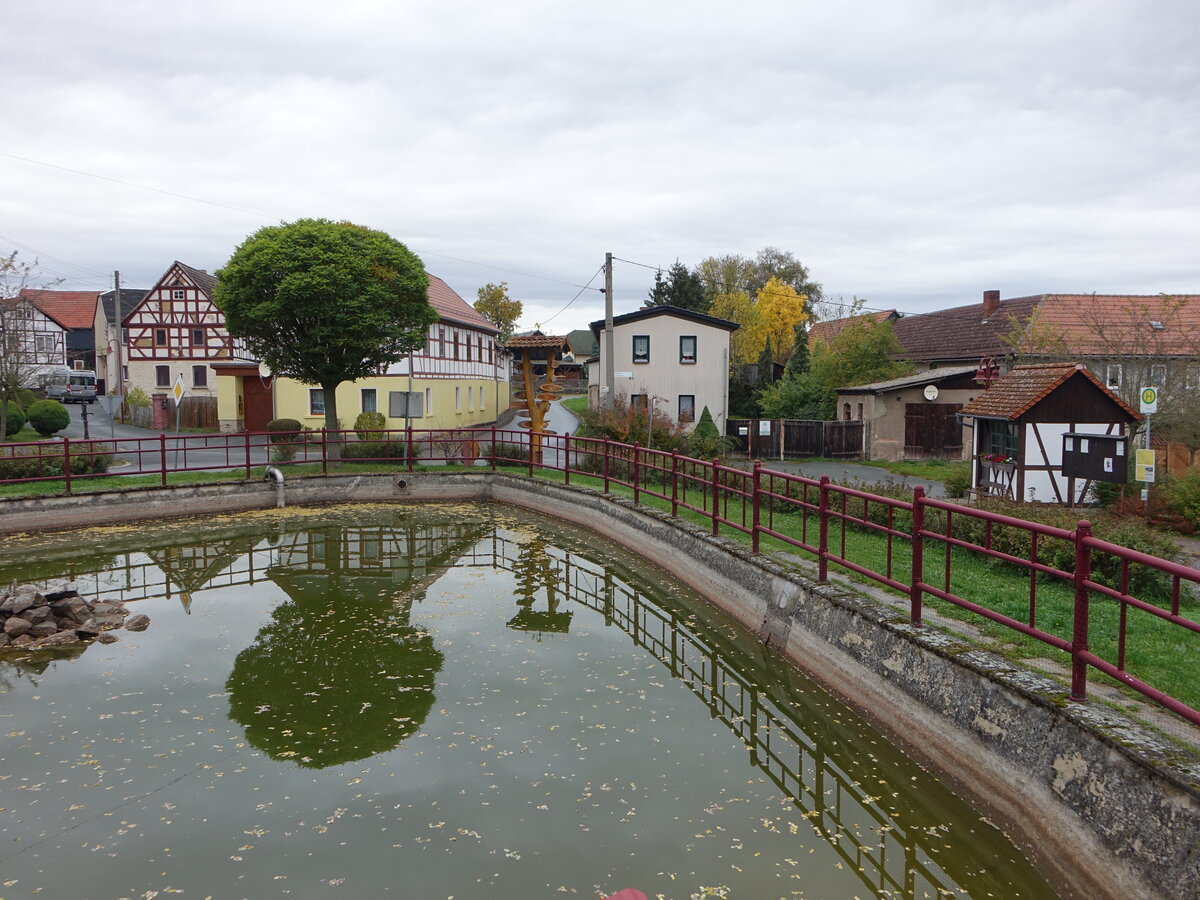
(1143, 462)
(111, 404)
(177, 391)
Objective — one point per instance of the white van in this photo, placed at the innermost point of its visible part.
(70, 385)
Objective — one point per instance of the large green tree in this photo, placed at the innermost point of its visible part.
(497, 307)
(325, 302)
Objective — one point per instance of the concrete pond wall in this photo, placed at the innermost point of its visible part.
(1104, 807)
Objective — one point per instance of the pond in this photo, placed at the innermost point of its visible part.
(443, 702)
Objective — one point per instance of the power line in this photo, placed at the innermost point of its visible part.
(576, 297)
(41, 255)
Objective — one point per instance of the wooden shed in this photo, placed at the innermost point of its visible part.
(1020, 425)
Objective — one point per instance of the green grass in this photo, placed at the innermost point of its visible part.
(576, 404)
(25, 435)
(1158, 652)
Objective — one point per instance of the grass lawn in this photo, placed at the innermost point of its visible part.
(24, 436)
(1157, 652)
(576, 404)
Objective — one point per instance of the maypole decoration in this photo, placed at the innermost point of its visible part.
(532, 401)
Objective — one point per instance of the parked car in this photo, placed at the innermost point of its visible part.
(70, 385)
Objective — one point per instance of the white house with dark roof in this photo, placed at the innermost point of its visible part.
(675, 358)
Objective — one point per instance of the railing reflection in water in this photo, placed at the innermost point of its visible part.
(891, 857)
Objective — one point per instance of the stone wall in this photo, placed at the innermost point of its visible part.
(1105, 807)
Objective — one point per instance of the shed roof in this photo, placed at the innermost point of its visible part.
(929, 376)
(1013, 395)
(536, 340)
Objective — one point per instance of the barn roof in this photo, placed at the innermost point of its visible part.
(1013, 395)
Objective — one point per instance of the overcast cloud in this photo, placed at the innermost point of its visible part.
(911, 152)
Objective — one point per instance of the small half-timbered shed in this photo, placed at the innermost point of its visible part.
(1018, 427)
(176, 330)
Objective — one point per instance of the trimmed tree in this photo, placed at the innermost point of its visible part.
(325, 302)
(47, 417)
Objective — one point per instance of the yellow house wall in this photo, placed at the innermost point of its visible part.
(229, 407)
(291, 401)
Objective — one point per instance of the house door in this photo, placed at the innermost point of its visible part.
(931, 431)
(257, 408)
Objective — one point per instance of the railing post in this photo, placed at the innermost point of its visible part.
(324, 452)
(918, 556)
(636, 479)
(756, 485)
(531, 454)
(408, 447)
(162, 456)
(67, 464)
(1079, 636)
(674, 482)
(823, 529)
(716, 498)
(606, 459)
(493, 448)
(247, 455)
(566, 457)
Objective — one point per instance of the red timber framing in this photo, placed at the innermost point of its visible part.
(177, 320)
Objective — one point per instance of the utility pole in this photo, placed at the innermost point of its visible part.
(119, 381)
(610, 378)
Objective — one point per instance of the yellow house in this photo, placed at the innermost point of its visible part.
(459, 378)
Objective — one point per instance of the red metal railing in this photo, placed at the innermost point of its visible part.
(813, 516)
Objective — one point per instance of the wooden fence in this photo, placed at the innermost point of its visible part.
(796, 438)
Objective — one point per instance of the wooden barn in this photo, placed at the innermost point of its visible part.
(1021, 426)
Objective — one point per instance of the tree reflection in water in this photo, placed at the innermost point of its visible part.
(340, 674)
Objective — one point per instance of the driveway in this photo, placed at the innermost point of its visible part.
(849, 473)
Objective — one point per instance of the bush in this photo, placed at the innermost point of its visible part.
(15, 421)
(957, 481)
(368, 422)
(137, 397)
(25, 398)
(47, 417)
(507, 454)
(46, 461)
(1182, 495)
(375, 450)
(620, 421)
(705, 441)
(284, 431)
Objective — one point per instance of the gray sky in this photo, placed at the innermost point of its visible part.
(911, 152)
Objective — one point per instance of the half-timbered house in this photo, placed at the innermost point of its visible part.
(176, 330)
(459, 378)
(1022, 424)
(82, 318)
(37, 337)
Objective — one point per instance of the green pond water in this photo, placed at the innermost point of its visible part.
(444, 702)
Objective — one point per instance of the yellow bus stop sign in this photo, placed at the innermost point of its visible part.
(1149, 398)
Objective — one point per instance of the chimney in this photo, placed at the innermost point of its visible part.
(991, 303)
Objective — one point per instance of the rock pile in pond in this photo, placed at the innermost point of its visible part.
(31, 620)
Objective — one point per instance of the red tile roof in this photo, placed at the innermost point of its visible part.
(70, 309)
(829, 329)
(454, 308)
(1121, 325)
(1023, 388)
(536, 340)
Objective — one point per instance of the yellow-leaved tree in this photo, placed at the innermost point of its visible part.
(747, 342)
(780, 309)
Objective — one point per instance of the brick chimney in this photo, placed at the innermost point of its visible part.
(991, 303)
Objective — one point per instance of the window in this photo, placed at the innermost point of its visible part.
(429, 401)
(687, 408)
(316, 402)
(457, 392)
(846, 412)
(457, 341)
(1158, 375)
(198, 337)
(78, 364)
(481, 395)
(1193, 377)
(1113, 376)
(200, 376)
(641, 348)
(860, 412)
(124, 373)
(687, 349)
(178, 295)
(160, 337)
(471, 398)
(368, 400)
(640, 401)
(43, 343)
(404, 405)
(162, 376)
(1004, 439)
